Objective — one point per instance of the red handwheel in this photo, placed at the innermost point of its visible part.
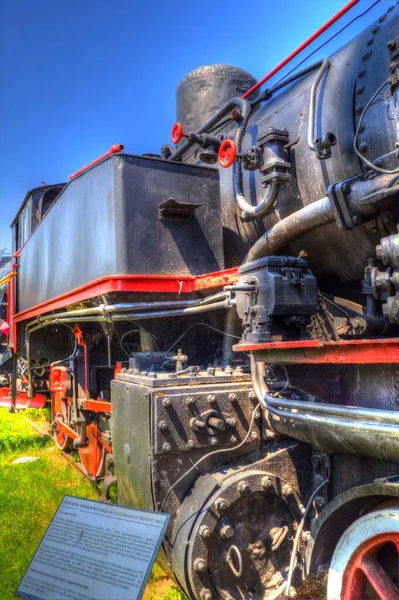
(177, 133)
(227, 153)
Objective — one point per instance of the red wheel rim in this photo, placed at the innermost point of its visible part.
(177, 133)
(59, 410)
(365, 570)
(227, 153)
(92, 455)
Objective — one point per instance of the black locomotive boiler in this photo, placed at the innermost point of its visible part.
(216, 325)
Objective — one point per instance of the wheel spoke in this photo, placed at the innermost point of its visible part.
(379, 578)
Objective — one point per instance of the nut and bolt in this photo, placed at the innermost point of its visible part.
(222, 505)
(190, 444)
(363, 147)
(211, 370)
(233, 397)
(206, 595)
(243, 487)
(252, 396)
(226, 532)
(238, 371)
(143, 373)
(163, 425)
(319, 502)
(254, 436)
(233, 439)
(287, 490)
(391, 45)
(267, 482)
(166, 447)
(190, 401)
(232, 422)
(199, 565)
(166, 402)
(211, 398)
(257, 415)
(213, 441)
(205, 532)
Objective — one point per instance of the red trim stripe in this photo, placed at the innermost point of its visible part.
(133, 283)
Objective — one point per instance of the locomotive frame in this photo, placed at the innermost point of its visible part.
(257, 404)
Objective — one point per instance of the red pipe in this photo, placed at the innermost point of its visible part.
(304, 45)
(113, 150)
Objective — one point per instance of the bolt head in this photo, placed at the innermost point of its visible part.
(233, 397)
(233, 439)
(199, 565)
(319, 502)
(254, 436)
(243, 487)
(222, 505)
(190, 401)
(252, 396)
(213, 441)
(267, 482)
(287, 490)
(211, 398)
(206, 595)
(226, 532)
(166, 447)
(190, 444)
(163, 425)
(205, 532)
(166, 402)
(363, 147)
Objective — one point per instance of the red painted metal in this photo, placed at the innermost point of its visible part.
(77, 332)
(97, 405)
(227, 153)
(304, 45)
(364, 567)
(22, 399)
(315, 352)
(177, 133)
(115, 148)
(175, 284)
(67, 430)
(92, 456)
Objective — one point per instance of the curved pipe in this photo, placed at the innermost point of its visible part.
(353, 426)
(248, 209)
(350, 412)
(312, 102)
(306, 219)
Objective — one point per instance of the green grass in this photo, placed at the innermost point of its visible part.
(30, 493)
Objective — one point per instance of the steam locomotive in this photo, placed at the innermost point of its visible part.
(216, 325)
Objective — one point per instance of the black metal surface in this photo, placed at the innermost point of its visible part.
(107, 221)
(261, 497)
(327, 248)
(286, 295)
(202, 91)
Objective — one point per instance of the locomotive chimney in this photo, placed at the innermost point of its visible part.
(202, 91)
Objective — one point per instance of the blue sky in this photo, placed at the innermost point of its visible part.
(79, 75)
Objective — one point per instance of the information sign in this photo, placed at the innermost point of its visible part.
(94, 551)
